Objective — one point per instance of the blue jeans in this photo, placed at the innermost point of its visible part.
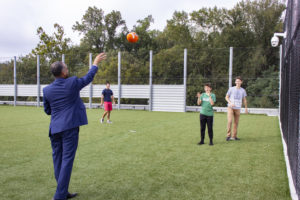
(64, 146)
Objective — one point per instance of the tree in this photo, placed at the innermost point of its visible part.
(207, 33)
(177, 31)
(100, 31)
(263, 92)
(113, 21)
(209, 19)
(52, 46)
(93, 29)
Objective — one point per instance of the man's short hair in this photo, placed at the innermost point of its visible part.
(208, 85)
(107, 82)
(239, 77)
(56, 68)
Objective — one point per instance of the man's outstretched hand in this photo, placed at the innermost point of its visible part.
(99, 58)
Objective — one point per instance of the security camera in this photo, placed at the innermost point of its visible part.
(274, 41)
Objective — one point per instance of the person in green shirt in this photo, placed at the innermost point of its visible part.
(206, 100)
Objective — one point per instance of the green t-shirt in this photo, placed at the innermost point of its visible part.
(207, 108)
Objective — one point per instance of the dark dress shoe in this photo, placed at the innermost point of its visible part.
(71, 195)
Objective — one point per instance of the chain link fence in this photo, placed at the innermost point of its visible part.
(203, 66)
(290, 89)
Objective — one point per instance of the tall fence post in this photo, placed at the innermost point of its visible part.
(119, 80)
(38, 80)
(15, 81)
(150, 81)
(184, 77)
(91, 84)
(63, 58)
(230, 66)
(280, 68)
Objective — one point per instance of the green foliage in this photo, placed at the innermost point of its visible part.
(264, 90)
(52, 46)
(178, 30)
(109, 69)
(100, 31)
(7, 72)
(207, 33)
(168, 66)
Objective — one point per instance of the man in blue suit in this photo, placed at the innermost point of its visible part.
(62, 101)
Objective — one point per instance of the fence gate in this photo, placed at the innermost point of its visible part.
(168, 98)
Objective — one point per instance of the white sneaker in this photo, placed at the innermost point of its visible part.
(109, 122)
(101, 120)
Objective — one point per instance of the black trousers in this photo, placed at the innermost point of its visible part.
(209, 121)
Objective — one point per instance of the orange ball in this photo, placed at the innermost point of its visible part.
(132, 37)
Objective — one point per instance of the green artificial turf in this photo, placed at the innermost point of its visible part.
(144, 155)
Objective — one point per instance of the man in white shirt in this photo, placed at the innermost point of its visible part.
(235, 97)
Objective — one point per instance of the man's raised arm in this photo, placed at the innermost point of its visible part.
(85, 80)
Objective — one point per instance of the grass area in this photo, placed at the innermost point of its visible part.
(144, 155)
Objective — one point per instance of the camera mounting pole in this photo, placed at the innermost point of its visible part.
(280, 35)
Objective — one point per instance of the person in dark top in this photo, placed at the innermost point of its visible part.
(108, 98)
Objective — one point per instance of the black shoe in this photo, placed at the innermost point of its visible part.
(211, 143)
(200, 143)
(228, 139)
(237, 138)
(71, 195)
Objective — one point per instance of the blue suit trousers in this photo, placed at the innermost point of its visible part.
(64, 146)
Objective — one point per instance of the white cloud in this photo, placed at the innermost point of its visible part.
(19, 20)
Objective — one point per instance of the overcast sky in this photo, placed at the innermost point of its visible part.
(20, 19)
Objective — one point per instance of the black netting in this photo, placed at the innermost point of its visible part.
(290, 88)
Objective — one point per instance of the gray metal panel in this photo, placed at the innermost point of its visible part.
(15, 81)
(85, 92)
(27, 90)
(119, 80)
(169, 98)
(38, 80)
(150, 81)
(184, 76)
(23, 90)
(127, 91)
(97, 90)
(91, 84)
(42, 87)
(167, 109)
(135, 91)
(7, 90)
(230, 67)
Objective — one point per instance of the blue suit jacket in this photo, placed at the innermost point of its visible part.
(62, 101)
